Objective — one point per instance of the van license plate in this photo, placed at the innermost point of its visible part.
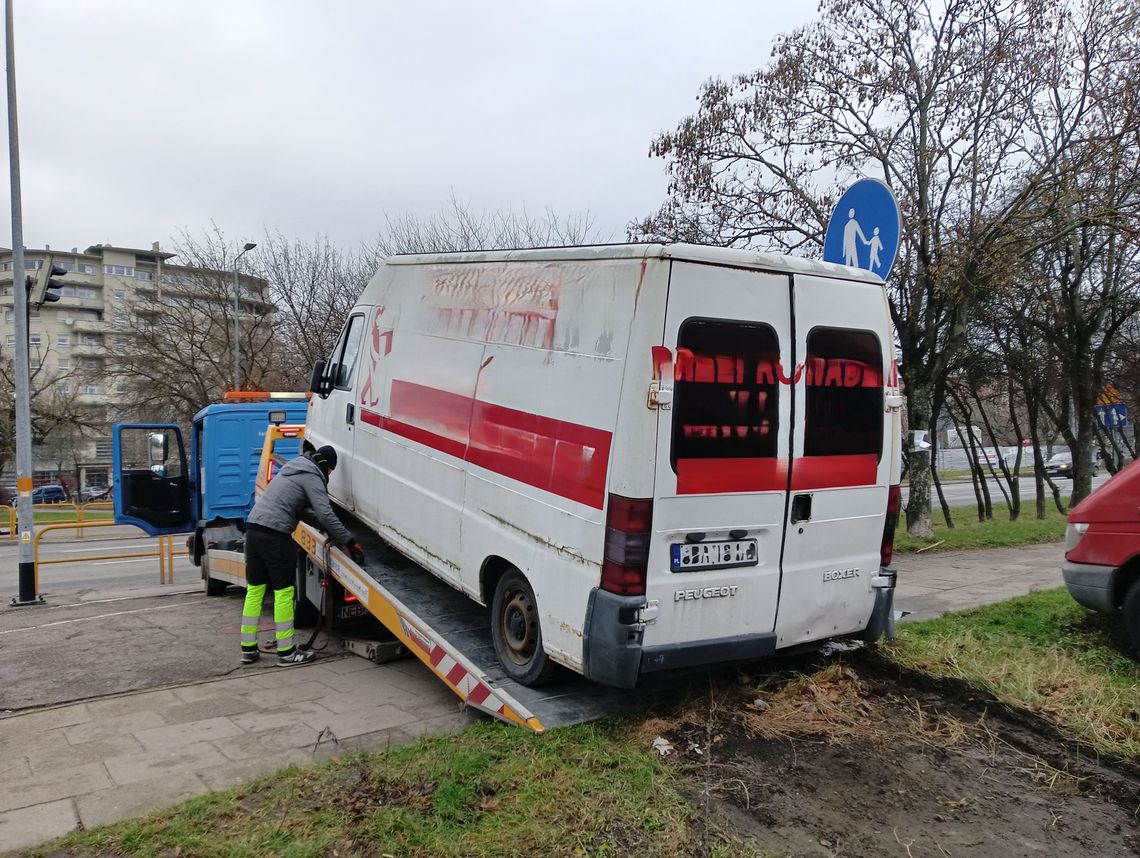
(693, 556)
(350, 611)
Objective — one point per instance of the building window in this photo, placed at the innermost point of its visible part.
(11, 341)
(8, 316)
(85, 268)
(121, 270)
(90, 363)
(65, 388)
(33, 314)
(66, 266)
(143, 275)
(91, 389)
(120, 294)
(67, 292)
(87, 294)
(89, 340)
(33, 264)
(63, 341)
(64, 364)
(120, 318)
(34, 340)
(121, 342)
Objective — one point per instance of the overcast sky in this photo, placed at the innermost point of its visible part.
(139, 118)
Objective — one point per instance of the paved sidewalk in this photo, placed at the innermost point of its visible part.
(102, 760)
(99, 761)
(931, 583)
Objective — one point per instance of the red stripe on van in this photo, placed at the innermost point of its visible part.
(716, 476)
(831, 472)
(566, 459)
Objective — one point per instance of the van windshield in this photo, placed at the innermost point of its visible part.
(726, 398)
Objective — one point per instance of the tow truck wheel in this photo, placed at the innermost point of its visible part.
(516, 631)
(1131, 612)
(210, 586)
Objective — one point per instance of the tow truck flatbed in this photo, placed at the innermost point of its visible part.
(451, 635)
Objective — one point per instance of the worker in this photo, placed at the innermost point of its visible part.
(299, 490)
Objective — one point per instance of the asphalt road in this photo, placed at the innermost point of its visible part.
(961, 492)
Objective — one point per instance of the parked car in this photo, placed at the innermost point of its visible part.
(1102, 550)
(49, 494)
(95, 493)
(1061, 465)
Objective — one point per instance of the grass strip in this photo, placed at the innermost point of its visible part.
(1042, 652)
(999, 532)
(491, 790)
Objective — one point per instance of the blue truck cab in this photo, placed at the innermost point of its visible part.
(208, 493)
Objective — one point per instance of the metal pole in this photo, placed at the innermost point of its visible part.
(249, 245)
(25, 521)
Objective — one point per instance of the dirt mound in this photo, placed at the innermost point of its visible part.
(842, 763)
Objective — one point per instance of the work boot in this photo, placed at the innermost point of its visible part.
(249, 656)
(297, 655)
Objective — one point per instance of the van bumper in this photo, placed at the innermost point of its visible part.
(614, 653)
(1091, 585)
(882, 622)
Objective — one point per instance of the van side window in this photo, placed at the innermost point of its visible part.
(843, 374)
(346, 352)
(726, 400)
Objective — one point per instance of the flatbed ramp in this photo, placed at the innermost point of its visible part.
(451, 635)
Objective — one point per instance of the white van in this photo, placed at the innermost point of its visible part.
(640, 457)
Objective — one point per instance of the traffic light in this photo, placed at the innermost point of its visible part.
(45, 290)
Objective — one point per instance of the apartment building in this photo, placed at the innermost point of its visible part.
(73, 342)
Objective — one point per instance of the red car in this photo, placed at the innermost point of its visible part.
(1102, 550)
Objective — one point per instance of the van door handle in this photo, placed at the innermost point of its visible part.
(801, 508)
(350, 414)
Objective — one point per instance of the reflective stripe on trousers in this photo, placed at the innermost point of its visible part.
(282, 617)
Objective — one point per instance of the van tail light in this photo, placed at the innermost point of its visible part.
(625, 564)
(894, 502)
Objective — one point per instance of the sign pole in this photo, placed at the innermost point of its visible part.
(25, 522)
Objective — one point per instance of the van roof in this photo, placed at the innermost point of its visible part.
(730, 256)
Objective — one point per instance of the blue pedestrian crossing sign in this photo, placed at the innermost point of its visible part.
(864, 229)
(1113, 416)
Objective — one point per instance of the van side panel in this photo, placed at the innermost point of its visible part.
(542, 431)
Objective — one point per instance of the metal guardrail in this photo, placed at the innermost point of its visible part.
(80, 510)
(165, 551)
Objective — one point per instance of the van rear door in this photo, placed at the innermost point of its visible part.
(721, 471)
(841, 463)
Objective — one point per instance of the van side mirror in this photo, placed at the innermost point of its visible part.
(318, 383)
(158, 448)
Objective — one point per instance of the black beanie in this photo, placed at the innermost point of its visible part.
(326, 457)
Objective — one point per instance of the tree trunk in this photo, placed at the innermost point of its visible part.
(1038, 459)
(918, 523)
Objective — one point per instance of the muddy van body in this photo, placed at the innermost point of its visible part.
(640, 457)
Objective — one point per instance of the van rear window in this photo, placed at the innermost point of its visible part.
(844, 383)
(726, 396)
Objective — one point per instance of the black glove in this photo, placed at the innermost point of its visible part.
(355, 552)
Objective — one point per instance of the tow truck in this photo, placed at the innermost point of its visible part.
(386, 608)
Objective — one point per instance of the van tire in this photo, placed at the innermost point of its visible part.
(517, 632)
(1131, 612)
(211, 586)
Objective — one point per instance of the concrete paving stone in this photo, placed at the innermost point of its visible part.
(30, 826)
(348, 664)
(21, 746)
(132, 768)
(66, 756)
(53, 785)
(233, 772)
(112, 725)
(14, 768)
(347, 702)
(232, 686)
(279, 717)
(272, 676)
(176, 736)
(208, 707)
(128, 704)
(357, 723)
(268, 698)
(23, 723)
(452, 722)
(270, 743)
(111, 805)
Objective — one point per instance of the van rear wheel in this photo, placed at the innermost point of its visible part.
(516, 631)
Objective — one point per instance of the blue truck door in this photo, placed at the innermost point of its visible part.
(152, 482)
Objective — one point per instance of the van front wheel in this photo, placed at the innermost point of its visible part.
(1131, 611)
(516, 631)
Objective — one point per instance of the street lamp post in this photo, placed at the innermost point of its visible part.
(249, 245)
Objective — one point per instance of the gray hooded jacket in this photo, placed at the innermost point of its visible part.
(300, 486)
